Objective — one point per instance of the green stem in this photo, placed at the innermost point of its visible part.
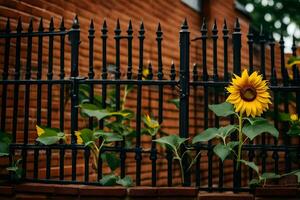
(182, 171)
(240, 140)
(181, 167)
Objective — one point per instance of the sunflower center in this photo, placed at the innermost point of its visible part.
(248, 93)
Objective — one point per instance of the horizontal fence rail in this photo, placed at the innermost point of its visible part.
(267, 151)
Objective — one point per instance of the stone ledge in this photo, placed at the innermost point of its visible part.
(6, 190)
(225, 196)
(277, 191)
(102, 191)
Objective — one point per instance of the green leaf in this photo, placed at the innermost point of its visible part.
(222, 110)
(112, 137)
(172, 141)
(50, 136)
(269, 175)
(252, 165)
(175, 102)
(112, 160)
(256, 120)
(91, 110)
(5, 140)
(206, 135)
(298, 175)
(294, 130)
(108, 180)
(149, 122)
(254, 183)
(293, 61)
(222, 151)
(87, 136)
(232, 144)
(227, 130)
(254, 130)
(285, 117)
(125, 182)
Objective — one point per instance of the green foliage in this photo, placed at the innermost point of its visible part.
(252, 165)
(255, 129)
(173, 142)
(15, 170)
(206, 135)
(112, 179)
(175, 102)
(151, 125)
(112, 160)
(49, 136)
(280, 12)
(295, 60)
(125, 182)
(222, 110)
(91, 110)
(5, 140)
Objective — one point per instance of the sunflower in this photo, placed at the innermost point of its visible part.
(79, 138)
(249, 94)
(39, 130)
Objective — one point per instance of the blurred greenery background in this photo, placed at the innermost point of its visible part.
(276, 16)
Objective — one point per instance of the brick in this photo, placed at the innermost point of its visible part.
(6, 190)
(277, 191)
(142, 192)
(35, 188)
(102, 191)
(177, 191)
(224, 196)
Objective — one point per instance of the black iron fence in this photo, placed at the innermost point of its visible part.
(268, 153)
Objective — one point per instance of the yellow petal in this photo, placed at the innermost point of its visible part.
(39, 130)
(79, 139)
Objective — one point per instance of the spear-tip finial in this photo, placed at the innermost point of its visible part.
(204, 27)
(159, 27)
(41, 27)
(62, 24)
(184, 24)
(51, 25)
(237, 25)
(75, 24)
(225, 25)
(30, 27)
(19, 26)
(92, 24)
(7, 27)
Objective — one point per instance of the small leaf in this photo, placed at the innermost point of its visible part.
(175, 102)
(227, 130)
(254, 183)
(206, 135)
(269, 175)
(50, 136)
(5, 140)
(294, 130)
(112, 160)
(125, 182)
(251, 131)
(232, 144)
(86, 135)
(256, 120)
(92, 110)
(252, 165)
(222, 110)
(149, 122)
(172, 141)
(222, 151)
(285, 117)
(108, 180)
